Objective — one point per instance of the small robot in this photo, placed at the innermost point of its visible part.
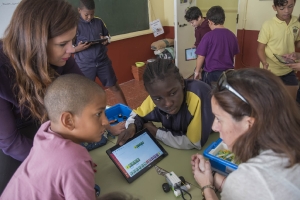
(177, 184)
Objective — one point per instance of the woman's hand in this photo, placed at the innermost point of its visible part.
(126, 134)
(202, 170)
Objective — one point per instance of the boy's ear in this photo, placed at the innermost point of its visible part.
(67, 120)
(274, 8)
(78, 10)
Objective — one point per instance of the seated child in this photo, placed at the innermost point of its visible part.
(182, 106)
(57, 166)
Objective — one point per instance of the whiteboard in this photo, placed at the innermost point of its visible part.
(7, 8)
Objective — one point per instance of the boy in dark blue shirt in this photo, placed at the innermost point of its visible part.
(92, 58)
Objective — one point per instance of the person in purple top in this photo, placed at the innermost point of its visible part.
(217, 48)
(194, 16)
(91, 57)
(36, 48)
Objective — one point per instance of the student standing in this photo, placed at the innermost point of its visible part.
(279, 36)
(194, 16)
(181, 106)
(91, 58)
(36, 48)
(217, 48)
(58, 167)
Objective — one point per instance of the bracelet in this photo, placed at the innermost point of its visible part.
(221, 184)
(207, 186)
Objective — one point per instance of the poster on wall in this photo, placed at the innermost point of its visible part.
(7, 8)
(156, 28)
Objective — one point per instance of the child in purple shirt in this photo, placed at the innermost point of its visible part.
(218, 48)
(58, 167)
(194, 16)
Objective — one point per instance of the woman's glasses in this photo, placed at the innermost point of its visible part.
(222, 84)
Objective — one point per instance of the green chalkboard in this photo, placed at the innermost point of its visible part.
(121, 16)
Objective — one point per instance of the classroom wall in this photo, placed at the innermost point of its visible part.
(163, 10)
(124, 53)
(252, 14)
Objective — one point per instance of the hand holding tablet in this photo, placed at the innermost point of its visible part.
(284, 59)
(190, 54)
(97, 41)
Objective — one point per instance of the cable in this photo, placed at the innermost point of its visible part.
(181, 192)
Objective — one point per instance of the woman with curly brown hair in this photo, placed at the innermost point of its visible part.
(36, 48)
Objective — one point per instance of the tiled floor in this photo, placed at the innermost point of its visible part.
(134, 92)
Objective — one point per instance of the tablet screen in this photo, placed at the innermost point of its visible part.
(97, 41)
(284, 60)
(137, 155)
(190, 54)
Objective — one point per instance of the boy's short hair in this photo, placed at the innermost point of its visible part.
(216, 14)
(69, 93)
(280, 2)
(193, 13)
(88, 4)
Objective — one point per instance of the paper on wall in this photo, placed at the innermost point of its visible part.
(156, 28)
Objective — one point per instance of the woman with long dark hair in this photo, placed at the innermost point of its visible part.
(35, 49)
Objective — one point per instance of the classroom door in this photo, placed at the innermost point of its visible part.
(184, 37)
(184, 32)
(230, 8)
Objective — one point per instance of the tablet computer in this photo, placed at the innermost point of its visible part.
(97, 41)
(137, 155)
(284, 60)
(190, 54)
